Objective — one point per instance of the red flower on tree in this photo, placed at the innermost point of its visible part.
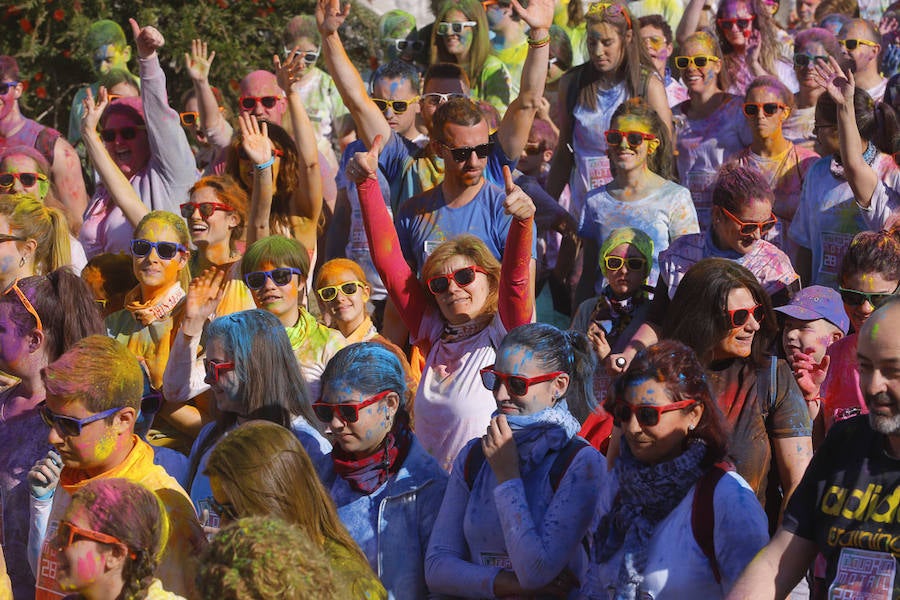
(41, 92)
(59, 14)
(26, 26)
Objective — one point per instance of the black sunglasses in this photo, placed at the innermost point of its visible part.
(857, 298)
(249, 102)
(804, 60)
(164, 250)
(281, 276)
(462, 154)
(127, 133)
(751, 109)
(6, 86)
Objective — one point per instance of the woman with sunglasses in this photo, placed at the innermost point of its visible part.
(641, 195)
(141, 154)
(110, 540)
(252, 374)
(725, 316)
(34, 238)
(522, 498)
(276, 270)
(343, 293)
(41, 317)
(709, 126)
(811, 47)
(256, 471)
(387, 488)
(853, 187)
(766, 107)
(460, 310)
(668, 472)
(153, 311)
(618, 68)
(461, 36)
(869, 276)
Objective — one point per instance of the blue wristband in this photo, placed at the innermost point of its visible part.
(266, 164)
(46, 496)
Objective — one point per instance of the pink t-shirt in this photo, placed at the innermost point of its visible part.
(841, 397)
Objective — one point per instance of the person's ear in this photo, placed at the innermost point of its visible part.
(126, 53)
(695, 415)
(629, 35)
(233, 220)
(115, 556)
(36, 339)
(548, 155)
(560, 386)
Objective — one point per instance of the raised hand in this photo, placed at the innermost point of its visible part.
(538, 15)
(330, 15)
(364, 165)
(44, 475)
(255, 138)
(290, 71)
(500, 449)
(839, 85)
(517, 203)
(198, 61)
(90, 117)
(204, 294)
(808, 373)
(597, 337)
(754, 47)
(147, 39)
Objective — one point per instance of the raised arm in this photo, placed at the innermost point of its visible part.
(119, 187)
(516, 124)
(212, 121)
(307, 200)
(66, 172)
(690, 20)
(260, 152)
(370, 121)
(399, 280)
(516, 295)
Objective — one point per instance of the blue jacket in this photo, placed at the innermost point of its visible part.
(392, 525)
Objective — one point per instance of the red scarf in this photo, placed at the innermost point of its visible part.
(369, 473)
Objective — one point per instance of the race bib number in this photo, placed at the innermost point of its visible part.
(493, 559)
(834, 245)
(863, 575)
(598, 172)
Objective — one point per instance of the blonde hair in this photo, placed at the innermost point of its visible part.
(474, 249)
(184, 237)
(33, 220)
(335, 265)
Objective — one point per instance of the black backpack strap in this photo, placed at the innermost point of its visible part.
(474, 461)
(703, 514)
(766, 386)
(564, 459)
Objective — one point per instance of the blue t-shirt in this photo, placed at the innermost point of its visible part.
(424, 222)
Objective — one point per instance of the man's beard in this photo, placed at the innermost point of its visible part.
(884, 425)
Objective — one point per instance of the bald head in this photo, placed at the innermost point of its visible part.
(263, 86)
(878, 355)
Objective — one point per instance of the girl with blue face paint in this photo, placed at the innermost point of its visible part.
(502, 529)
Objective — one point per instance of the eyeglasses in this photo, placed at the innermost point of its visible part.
(453, 27)
(21, 295)
(11, 238)
(6, 86)
(752, 109)
(463, 277)
(66, 533)
(655, 42)
(750, 227)
(805, 60)
(742, 23)
(70, 426)
(27, 179)
(740, 316)
(242, 154)
(127, 133)
(648, 415)
(329, 293)
(250, 102)
(111, 97)
(700, 61)
(348, 413)
(600, 9)
(398, 106)
(206, 209)
(280, 276)
(614, 137)
(225, 510)
(614, 263)
(214, 370)
(436, 99)
(403, 44)
(516, 385)
(854, 44)
(462, 154)
(164, 250)
(309, 56)
(857, 298)
(534, 149)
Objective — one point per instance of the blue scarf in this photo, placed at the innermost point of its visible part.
(538, 434)
(647, 494)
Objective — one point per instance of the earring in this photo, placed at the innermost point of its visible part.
(691, 427)
(22, 261)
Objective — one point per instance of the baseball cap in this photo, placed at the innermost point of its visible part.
(817, 302)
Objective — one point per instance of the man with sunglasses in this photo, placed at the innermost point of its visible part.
(17, 130)
(93, 401)
(845, 507)
(410, 170)
(862, 42)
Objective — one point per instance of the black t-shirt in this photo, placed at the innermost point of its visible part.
(849, 497)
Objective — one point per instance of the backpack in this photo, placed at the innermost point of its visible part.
(703, 513)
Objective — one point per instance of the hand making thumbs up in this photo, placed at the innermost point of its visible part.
(517, 203)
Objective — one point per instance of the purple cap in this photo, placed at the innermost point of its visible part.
(818, 302)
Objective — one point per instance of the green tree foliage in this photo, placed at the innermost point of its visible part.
(46, 37)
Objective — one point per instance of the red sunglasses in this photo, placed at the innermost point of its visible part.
(66, 533)
(348, 413)
(515, 384)
(740, 316)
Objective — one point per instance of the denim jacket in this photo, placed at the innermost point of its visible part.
(392, 525)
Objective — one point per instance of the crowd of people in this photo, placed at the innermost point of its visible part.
(554, 301)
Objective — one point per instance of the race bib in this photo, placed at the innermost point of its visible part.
(598, 171)
(863, 575)
(834, 245)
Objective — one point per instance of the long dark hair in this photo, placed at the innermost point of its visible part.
(661, 161)
(877, 122)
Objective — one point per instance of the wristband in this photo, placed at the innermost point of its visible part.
(816, 399)
(266, 164)
(539, 43)
(46, 496)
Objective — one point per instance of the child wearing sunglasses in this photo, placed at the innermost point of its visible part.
(93, 399)
(869, 276)
(343, 293)
(140, 152)
(118, 528)
(504, 530)
(668, 473)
